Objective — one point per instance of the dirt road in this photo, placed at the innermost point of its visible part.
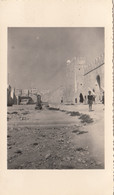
(66, 137)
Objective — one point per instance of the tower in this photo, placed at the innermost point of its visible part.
(69, 92)
(79, 77)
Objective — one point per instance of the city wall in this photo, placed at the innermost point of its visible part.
(80, 78)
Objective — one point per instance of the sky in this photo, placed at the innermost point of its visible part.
(37, 56)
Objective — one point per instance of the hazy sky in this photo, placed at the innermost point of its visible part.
(37, 56)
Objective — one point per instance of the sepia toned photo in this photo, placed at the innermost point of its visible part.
(55, 98)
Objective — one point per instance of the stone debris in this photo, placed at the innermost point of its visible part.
(67, 158)
(47, 155)
(80, 149)
(35, 144)
(18, 152)
(82, 153)
(79, 160)
(61, 140)
(79, 132)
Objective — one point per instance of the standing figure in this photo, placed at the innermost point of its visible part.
(38, 103)
(75, 100)
(103, 98)
(85, 100)
(81, 98)
(62, 100)
(94, 96)
(90, 100)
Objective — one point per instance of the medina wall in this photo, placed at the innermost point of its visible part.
(82, 78)
(91, 80)
(94, 80)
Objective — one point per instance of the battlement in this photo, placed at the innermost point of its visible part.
(99, 61)
(80, 61)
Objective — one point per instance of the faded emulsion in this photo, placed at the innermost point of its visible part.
(55, 98)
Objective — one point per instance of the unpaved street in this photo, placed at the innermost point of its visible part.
(58, 137)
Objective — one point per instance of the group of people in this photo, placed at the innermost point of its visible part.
(89, 99)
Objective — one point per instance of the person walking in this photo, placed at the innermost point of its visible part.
(90, 100)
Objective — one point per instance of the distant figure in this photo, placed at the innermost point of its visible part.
(81, 98)
(38, 104)
(94, 97)
(90, 100)
(75, 100)
(103, 98)
(94, 90)
(61, 100)
(85, 99)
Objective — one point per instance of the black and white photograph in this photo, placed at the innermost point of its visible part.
(55, 98)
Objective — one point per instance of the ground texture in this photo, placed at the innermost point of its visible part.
(56, 137)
